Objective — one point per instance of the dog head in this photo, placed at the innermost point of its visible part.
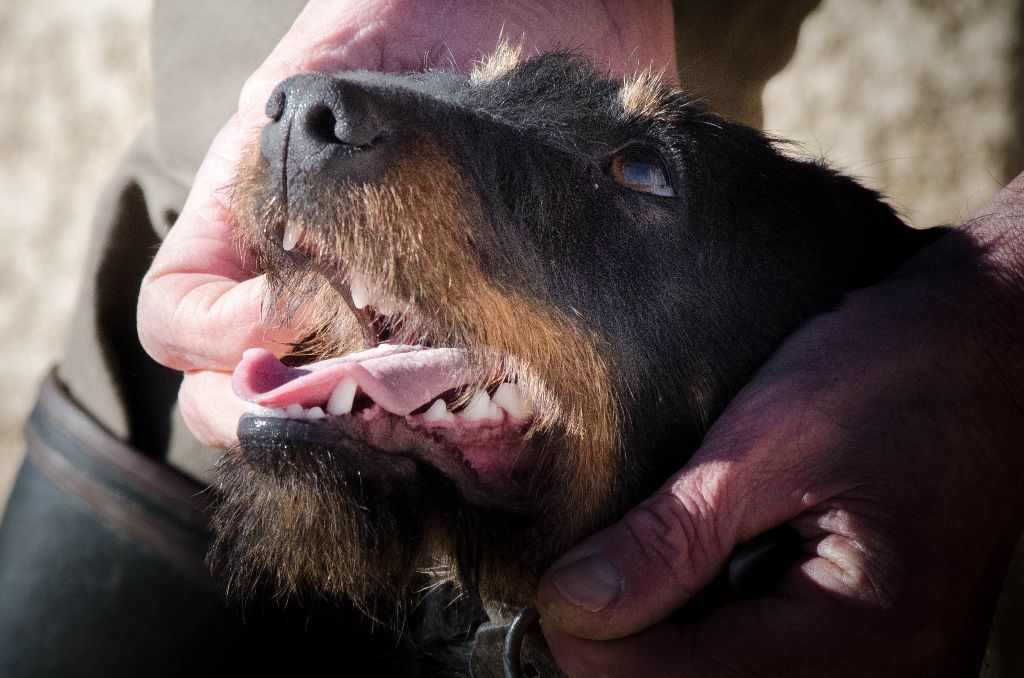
(526, 293)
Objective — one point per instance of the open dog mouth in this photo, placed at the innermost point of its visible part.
(400, 396)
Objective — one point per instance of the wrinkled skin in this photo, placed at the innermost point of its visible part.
(888, 434)
(200, 308)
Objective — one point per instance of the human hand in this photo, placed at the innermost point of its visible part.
(888, 434)
(201, 303)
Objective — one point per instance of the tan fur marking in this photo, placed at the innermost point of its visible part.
(503, 59)
(645, 95)
(412, 231)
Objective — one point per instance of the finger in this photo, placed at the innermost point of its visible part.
(331, 36)
(210, 408)
(809, 627)
(200, 321)
(638, 571)
(199, 305)
(192, 313)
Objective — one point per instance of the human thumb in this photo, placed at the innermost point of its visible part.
(641, 569)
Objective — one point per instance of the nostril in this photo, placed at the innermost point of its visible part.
(320, 123)
(275, 105)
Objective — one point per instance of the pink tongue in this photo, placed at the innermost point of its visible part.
(398, 378)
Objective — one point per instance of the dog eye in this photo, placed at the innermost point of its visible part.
(641, 169)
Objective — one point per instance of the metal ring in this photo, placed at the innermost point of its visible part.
(511, 653)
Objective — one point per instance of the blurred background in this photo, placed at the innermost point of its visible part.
(74, 78)
(922, 99)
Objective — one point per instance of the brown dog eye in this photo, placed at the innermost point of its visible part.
(641, 169)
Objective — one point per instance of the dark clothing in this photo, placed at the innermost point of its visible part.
(101, 572)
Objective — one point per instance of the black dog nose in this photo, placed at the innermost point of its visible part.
(323, 124)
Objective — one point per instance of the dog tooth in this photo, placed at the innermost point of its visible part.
(341, 398)
(495, 413)
(360, 292)
(478, 407)
(315, 413)
(260, 411)
(292, 233)
(385, 308)
(510, 399)
(438, 412)
(294, 411)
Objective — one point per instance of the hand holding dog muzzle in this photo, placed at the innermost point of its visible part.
(201, 304)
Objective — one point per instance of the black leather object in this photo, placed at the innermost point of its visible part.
(101, 573)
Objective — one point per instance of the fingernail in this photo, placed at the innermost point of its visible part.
(591, 583)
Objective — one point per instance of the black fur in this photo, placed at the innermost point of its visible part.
(688, 295)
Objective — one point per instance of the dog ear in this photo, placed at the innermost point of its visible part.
(808, 208)
(879, 241)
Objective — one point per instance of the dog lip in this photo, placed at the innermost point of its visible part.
(375, 440)
(397, 411)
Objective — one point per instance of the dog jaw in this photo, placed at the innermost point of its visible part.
(403, 247)
(629, 317)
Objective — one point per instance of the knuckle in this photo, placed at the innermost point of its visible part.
(677, 533)
(148, 316)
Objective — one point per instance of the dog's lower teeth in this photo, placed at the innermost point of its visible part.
(342, 397)
(260, 411)
(478, 408)
(509, 398)
(438, 412)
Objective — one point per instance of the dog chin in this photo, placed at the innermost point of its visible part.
(303, 512)
(298, 516)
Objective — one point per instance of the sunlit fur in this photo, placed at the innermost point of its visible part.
(645, 95)
(632, 319)
(503, 59)
(413, 231)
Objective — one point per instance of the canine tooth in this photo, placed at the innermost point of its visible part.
(438, 412)
(341, 398)
(315, 413)
(384, 307)
(509, 398)
(292, 233)
(494, 413)
(478, 407)
(360, 292)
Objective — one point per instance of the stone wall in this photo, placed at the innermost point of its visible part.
(924, 99)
